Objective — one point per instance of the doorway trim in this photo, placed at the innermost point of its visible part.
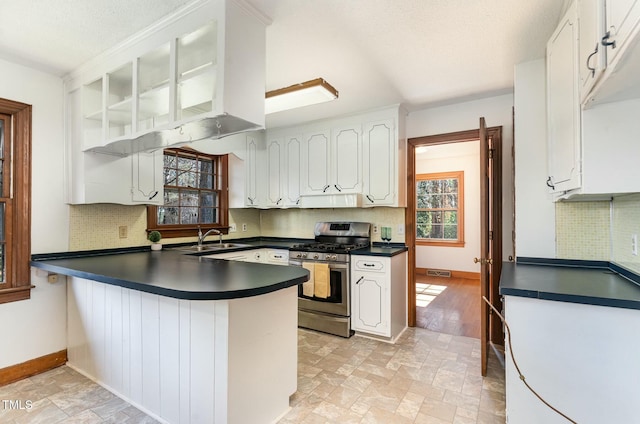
(493, 133)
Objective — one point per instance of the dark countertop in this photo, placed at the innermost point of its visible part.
(591, 286)
(380, 250)
(178, 275)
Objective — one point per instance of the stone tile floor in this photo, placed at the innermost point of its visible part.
(426, 377)
(63, 395)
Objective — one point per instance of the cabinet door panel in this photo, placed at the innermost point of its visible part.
(347, 173)
(563, 107)
(252, 172)
(316, 159)
(622, 17)
(371, 308)
(147, 173)
(379, 161)
(293, 147)
(592, 55)
(274, 172)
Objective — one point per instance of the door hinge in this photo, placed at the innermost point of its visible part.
(491, 153)
(490, 235)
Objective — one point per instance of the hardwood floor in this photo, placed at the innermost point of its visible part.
(448, 305)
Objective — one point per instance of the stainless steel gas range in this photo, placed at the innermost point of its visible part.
(324, 303)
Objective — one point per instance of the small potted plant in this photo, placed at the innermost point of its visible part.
(154, 237)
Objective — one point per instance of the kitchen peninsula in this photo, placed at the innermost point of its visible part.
(185, 338)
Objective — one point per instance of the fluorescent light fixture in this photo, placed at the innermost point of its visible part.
(299, 95)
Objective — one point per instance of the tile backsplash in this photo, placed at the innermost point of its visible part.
(97, 226)
(626, 223)
(583, 230)
(599, 230)
(299, 223)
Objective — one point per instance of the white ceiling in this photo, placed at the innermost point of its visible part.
(375, 52)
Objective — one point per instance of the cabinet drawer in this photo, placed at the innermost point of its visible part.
(369, 264)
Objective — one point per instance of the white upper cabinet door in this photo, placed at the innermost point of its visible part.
(292, 169)
(380, 175)
(592, 55)
(252, 172)
(315, 159)
(347, 160)
(563, 106)
(147, 172)
(275, 152)
(622, 18)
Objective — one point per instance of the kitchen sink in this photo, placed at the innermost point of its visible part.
(210, 247)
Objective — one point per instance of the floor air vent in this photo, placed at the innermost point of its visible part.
(438, 273)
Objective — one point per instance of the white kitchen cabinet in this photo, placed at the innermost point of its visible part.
(254, 149)
(331, 159)
(197, 74)
(102, 178)
(622, 18)
(378, 295)
(563, 105)
(277, 256)
(283, 170)
(204, 65)
(316, 162)
(620, 41)
(242, 256)
(592, 54)
(384, 160)
(591, 151)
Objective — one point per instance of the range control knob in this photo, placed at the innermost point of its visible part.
(332, 257)
(316, 256)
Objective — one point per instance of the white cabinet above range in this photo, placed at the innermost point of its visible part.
(354, 161)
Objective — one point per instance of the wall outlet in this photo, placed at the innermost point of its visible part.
(232, 228)
(400, 229)
(123, 231)
(244, 227)
(634, 244)
(375, 229)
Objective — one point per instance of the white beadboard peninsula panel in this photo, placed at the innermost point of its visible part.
(187, 361)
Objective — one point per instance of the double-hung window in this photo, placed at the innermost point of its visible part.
(440, 209)
(15, 201)
(195, 194)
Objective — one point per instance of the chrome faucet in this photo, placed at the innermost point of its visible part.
(201, 236)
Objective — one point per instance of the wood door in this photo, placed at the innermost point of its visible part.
(484, 246)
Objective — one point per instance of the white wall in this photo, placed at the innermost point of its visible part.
(455, 157)
(37, 326)
(497, 111)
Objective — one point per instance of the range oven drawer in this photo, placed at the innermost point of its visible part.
(327, 323)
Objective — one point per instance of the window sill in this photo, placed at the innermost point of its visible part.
(15, 294)
(440, 243)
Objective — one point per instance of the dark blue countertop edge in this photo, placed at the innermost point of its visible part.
(166, 291)
(625, 274)
(578, 263)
